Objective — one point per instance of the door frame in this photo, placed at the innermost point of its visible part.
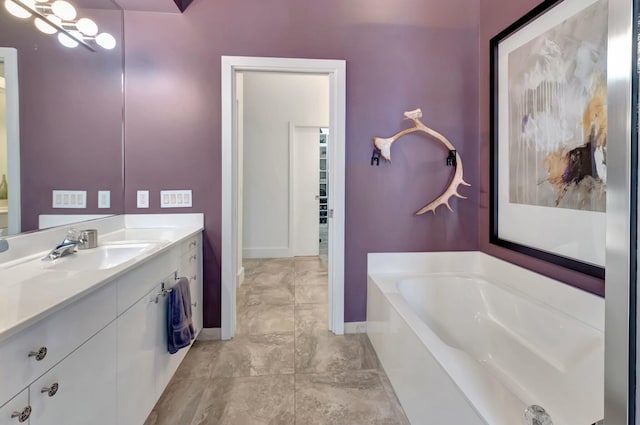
(336, 70)
(621, 275)
(9, 56)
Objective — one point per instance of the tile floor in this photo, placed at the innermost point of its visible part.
(283, 366)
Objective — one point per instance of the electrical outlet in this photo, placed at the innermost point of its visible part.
(176, 199)
(69, 199)
(104, 199)
(143, 199)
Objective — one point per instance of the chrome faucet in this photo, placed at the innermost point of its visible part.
(4, 245)
(536, 415)
(68, 246)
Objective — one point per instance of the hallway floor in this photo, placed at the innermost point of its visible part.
(283, 366)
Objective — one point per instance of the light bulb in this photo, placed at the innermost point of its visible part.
(64, 10)
(67, 41)
(106, 41)
(17, 9)
(87, 27)
(47, 28)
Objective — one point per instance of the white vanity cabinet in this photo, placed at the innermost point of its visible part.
(102, 359)
(81, 389)
(138, 342)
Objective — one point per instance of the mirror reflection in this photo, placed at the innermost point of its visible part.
(70, 107)
(4, 224)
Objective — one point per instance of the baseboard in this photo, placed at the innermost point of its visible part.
(355, 327)
(276, 252)
(210, 334)
(240, 276)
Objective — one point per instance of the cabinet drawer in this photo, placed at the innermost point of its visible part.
(81, 389)
(14, 406)
(191, 245)
(137, 283)
(53, 339)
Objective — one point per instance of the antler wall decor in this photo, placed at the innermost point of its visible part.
(384, 146)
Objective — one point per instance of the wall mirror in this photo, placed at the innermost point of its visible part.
(61, 120)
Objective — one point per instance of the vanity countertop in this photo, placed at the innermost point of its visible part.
(32, 289)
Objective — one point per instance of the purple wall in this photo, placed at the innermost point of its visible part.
(70, 117)
(496, 15)
(400, 55)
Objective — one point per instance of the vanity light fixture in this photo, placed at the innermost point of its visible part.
(60, 17)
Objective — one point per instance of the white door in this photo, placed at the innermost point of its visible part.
(306, 190)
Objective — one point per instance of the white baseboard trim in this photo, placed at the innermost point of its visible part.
(210, 334)
(240, 276)
(276, 252)
(355, 327)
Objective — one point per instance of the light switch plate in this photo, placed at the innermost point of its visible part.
(104, 199)
(176, 199)
(69, 199)
(143, 199)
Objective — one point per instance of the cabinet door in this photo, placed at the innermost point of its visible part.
(18, 407)
(139, 336)
(81, 389)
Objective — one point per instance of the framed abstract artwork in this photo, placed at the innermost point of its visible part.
(549, 135)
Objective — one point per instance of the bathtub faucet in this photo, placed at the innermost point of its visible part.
(536, 415)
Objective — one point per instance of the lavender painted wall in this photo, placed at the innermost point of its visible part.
(496, 15)
(70, 116)
(400, 55)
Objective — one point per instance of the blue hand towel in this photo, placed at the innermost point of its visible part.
(179, 319)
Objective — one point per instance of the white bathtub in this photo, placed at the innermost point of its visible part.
(468, 339)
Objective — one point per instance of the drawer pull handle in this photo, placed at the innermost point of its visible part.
(194, 277)
(193, 244)
(193, 258)
(51, 391)
(22, 416)
(40, 354)
(194, 304)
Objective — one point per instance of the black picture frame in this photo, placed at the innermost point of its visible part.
(547, 7)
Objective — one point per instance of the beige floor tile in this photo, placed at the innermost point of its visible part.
(264, 319)
(179, 402)
(284, 276)
(199, 361)
(312, 294)
(322, 351)
(263, 400)
(254, 355)
(311, 318)
(353, 398)
(311, 277)
(309, 263)
(249, 294)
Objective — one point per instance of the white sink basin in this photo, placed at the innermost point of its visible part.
(102, 257)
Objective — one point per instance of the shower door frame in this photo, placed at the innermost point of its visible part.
(621, 260)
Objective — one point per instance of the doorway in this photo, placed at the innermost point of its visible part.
(232, 231)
